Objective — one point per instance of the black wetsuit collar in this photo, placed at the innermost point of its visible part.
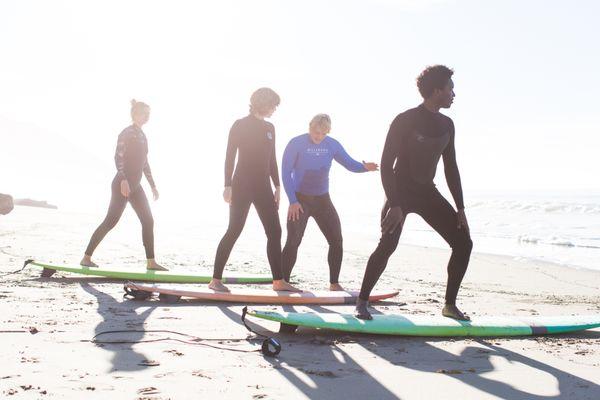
(136, 128)
(256, 118)
(427, 110)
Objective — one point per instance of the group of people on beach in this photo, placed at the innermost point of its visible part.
(416, 141)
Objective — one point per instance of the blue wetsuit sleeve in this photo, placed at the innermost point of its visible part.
(290, 155)
(451, 172)
(232, 147)
(342, 157)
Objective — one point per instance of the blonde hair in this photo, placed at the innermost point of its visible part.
(138, 107)
(263, 100)
(321, 121)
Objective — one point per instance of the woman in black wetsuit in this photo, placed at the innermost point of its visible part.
(416, 141)
(253, 139)
(131, 162)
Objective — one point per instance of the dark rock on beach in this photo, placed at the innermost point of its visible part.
(6, 203)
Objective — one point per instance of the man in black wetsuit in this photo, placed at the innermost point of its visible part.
(417, 139)
(253, 139)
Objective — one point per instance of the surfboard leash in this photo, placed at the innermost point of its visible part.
(270, 346)
(26, 263)
(194, 340)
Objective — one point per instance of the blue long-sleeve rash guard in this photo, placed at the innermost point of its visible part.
(305, 166)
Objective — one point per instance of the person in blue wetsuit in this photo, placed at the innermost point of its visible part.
(306, 163)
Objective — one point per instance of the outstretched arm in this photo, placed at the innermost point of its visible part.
(342, 157)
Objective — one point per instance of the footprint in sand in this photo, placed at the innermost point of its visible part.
(149, 363)
(148, 390)
(200, 374)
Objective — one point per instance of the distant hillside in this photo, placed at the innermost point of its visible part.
(34, 203)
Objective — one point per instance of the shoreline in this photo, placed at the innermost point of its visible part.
(252, 228)
(517, 258)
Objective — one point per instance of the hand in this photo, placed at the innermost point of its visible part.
(294, 212)
(393, 219)
(125, 190)
(227, 194)
(155, 194)
(462, 220)
(371, 166)
(277, 196)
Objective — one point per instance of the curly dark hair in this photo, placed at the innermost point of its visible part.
(433, 77)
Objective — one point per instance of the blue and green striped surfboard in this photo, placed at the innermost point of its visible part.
(421, 325)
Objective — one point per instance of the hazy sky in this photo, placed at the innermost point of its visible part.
(526, 74)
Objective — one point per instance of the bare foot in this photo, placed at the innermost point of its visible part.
(217, 285)
(154, 266)
(281, 285)
(86, 261)
(362, 310)
(451, 311)
(336, 287)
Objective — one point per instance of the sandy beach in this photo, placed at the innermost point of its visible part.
(330, 108)
(52, 356)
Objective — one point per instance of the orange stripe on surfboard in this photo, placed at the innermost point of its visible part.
(261, 295)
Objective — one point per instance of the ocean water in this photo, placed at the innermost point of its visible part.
(562, 229)
(550, 227)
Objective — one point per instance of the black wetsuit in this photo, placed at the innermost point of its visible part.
(131, 160)
(254, 141)
(323, 211)
(416, 140)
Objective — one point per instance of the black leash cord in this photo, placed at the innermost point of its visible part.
(27, 262)
(267, 343)
(194, 339)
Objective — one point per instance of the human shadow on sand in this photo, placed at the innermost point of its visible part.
(309, 351)
(117, 315)
(474, 361)
(305, 364)
(296, 362)
(308, 355)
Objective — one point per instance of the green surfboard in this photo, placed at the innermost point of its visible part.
(147, 276)
(421, 325)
